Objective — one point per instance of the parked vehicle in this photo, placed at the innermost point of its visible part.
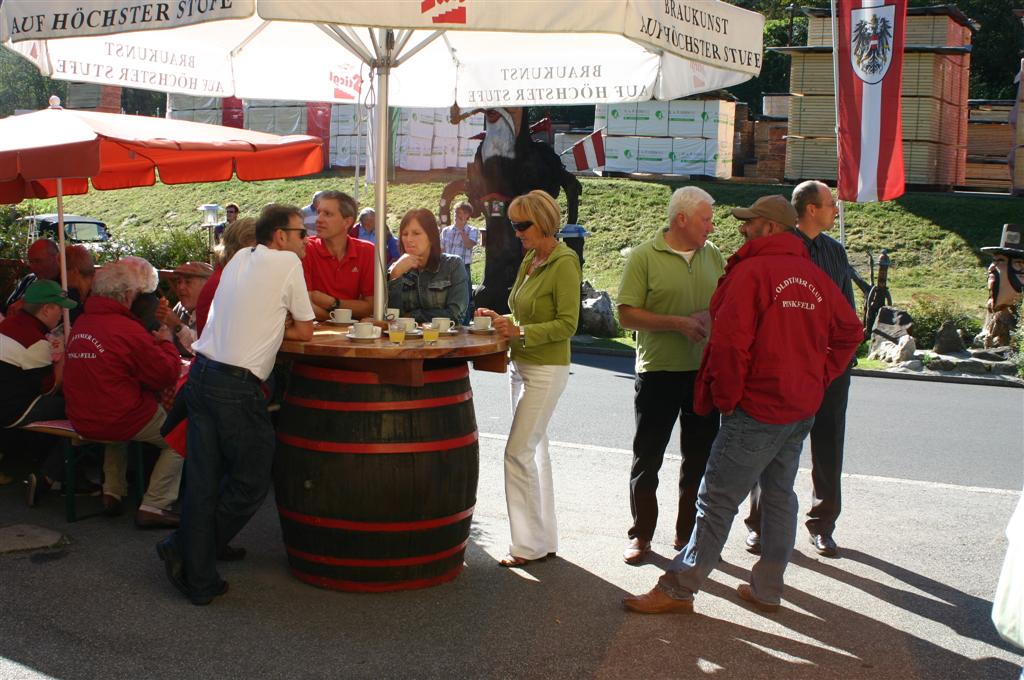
(87, 231)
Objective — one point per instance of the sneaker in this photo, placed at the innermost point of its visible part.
(753, 543)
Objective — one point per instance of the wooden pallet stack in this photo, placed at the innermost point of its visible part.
(1017, 160)
(936, 76)
(990, 141)
(769, 149)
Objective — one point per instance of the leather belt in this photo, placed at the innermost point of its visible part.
(233, 371)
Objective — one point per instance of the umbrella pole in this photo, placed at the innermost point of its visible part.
(380, 154)
(63, 260)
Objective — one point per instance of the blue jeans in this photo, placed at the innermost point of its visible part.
(745, 451)
(230, 452)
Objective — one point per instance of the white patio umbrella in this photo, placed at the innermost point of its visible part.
(431, 53)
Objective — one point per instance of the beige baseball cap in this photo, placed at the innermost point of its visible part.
(776, 208)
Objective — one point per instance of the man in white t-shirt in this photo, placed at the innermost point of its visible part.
(261, 299)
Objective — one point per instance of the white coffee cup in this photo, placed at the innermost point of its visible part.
(481, 323)
(408, 322)
(341, 315)
(392, 313)
(364, 329)
(442, 323)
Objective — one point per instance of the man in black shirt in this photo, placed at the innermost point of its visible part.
(816, 210)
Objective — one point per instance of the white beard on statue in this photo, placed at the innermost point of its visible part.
(500, 138)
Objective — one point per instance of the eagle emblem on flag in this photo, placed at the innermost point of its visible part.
(871, 31)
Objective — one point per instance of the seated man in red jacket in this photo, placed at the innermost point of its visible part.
(781, 331)
(114, 369)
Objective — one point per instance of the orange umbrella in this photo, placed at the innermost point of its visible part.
(117, 152)
(57, 151)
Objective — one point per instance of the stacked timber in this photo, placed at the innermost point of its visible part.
(990, 141)
(1017, 159)
(769, 149)
(935, 80)
(743, 140)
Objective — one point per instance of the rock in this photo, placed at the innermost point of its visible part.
(912, 365)
(941, 365)
(994, 354)
(972, 366)
(893, 352)
(21, 537)
(1004, 368)
(597, 316)
(947, 339)
(890, 325)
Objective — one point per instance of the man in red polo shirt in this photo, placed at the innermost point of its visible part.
(338, 268)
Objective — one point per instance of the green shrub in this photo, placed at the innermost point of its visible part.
(930, 312)
(164, 247)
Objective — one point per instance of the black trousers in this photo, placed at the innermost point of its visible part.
(661, 398)
(827, 438)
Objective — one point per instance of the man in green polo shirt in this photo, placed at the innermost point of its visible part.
(665, 293)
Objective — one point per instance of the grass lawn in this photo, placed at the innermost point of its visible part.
(933, 239)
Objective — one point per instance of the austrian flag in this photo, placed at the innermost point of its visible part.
(870, 63)
(588, 153)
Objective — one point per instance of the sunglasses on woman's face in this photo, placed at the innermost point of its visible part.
(522, 226)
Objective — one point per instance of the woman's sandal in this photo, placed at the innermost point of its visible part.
(511, 561)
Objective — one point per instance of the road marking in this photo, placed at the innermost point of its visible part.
(867, 478)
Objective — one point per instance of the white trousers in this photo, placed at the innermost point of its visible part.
(528, 489)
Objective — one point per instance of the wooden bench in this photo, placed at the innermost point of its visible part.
(72, 440)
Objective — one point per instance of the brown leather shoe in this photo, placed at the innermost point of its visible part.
(637, 550)
(657, 601)
(112, 506)
(747, 595)
(156, 519)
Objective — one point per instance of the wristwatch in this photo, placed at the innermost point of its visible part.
(337, 303)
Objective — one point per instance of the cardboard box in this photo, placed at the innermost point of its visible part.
(622, 119)
(600, 116)
(621, 154)
(654, 155)
(688, 155)
(652, 119)
(418, 153)
(467, 152)
(685, 118)
(471, 126)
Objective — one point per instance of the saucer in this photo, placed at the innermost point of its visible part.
(415, 333)
(355, 339)
(332, 322)
(454, 330)
(479, 331)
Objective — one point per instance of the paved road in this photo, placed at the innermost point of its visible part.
(910, 597)
(968, 435)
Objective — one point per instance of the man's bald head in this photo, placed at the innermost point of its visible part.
(44, 259)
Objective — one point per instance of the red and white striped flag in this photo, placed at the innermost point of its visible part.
(870, 62)
(588, 153)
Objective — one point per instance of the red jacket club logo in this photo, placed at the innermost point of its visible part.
(444, 11)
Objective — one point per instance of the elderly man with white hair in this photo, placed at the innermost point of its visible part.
(114, 369)
(665, 294)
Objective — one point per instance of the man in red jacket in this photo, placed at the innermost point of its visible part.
(114, 370)
(781, 332)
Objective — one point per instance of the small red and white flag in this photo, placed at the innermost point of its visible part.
(870, 43)
(588, 153)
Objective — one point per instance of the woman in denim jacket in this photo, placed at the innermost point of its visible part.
(425, 282)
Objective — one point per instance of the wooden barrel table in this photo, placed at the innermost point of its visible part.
(377, 461)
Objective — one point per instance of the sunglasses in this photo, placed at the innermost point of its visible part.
(302, 231)
(522, 226)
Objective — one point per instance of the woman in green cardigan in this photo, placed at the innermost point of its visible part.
(545, 303)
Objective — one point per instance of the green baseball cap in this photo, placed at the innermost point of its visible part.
(43, 292)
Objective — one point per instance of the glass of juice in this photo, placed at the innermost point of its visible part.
(396, 332)
(430, 333)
